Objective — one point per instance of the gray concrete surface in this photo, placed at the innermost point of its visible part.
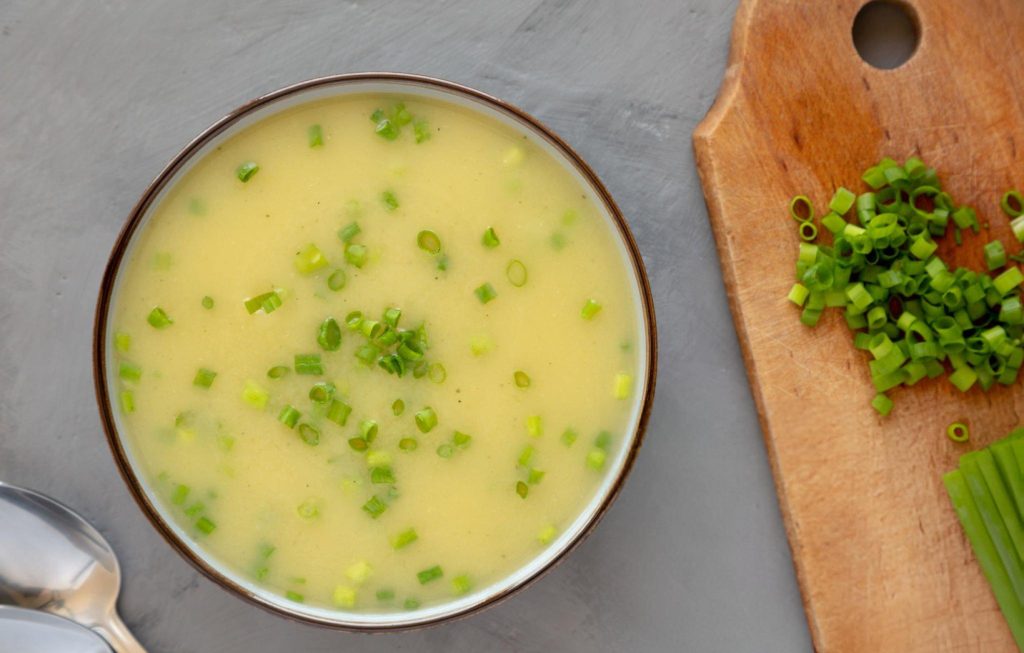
(95, 96)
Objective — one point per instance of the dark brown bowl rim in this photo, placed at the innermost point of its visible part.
(154, 188)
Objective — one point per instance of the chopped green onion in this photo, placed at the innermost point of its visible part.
(207, 302)
(122, 342)
(596, 458)
(490, 238)
(842, 201)
(521, 378)
(461, 584)
(204, 377)
(308, 510)
(558, 240)
(623, 385)
(309, 434)
(485, 293)
(428, 241)
(294, 596)
(308, 364)
(437, 373)
(382, 476)
(375, 507)
(408, 444)
(522, 489)
(328, 336)
(337, 280)
(354, 320)
(322, 392)
(402, 115)
(995, 255)
(254, 395)
(461, 440)
(390, 200)
(958, 432)
(368, 430)
(525, 456)
(246, 171)
(204, 525)
(427, 575)
(516, 273)
(426, 419)
(159, 319)
(289, 416)
(547, 534)
(404, 539)
(315, 135)
(127, 402)
(385, 595)
(348, 232)
(356, 254)
(801, 209)
(387, 129)
(590, 309)
(535, 477)
(421, 131)
(309, 259)
(278, 371)
(1012, 203)
(344, 596)
(268, 302)
(534, 426)
(445, 450)
(882, 404)
(357, 444)
(397, 407)
(808, 231)
(129, 371)
(392, 316)
(798, 294)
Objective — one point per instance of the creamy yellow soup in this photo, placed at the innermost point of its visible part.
(331, 448)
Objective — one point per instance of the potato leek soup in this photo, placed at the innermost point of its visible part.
(376, 352)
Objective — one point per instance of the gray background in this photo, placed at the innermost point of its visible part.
(95, 97)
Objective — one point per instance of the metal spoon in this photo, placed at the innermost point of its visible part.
(32, 631)
(51, 559)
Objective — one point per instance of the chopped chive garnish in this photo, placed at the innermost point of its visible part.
(401, 114)
(289, 416)
(308, 364)
(338, 412)
(309, 434)
(268, 302)
(207, 302)
(322, 392)
(461, 440)
(445, 450)
(404, 539)
(315, 135)
(596, 458)
(356, 254)
(180, 495)
(442, 262)
(958, 432)
(308, 510)
(521, 378)
(278, 371)
(1012, 203)
(382, 476)
(397, 407)
(387, 129)
(344, 596)
(461, 584)
(411, 604)
(603, 440)
(569, 437)
(392, 316)
(159, 319)
(195, 509)
(421, 131)
(354, 320)
(367, 354)
(485, 293)
(204, 377)
(328, 336)
(431, 574)
(490, 238)
(129, 371)
(368, 430)
(623, 385)
(385, 594)
(535, 476)
(309, 259)
(375, 507)
(995, 255)
(204, 525)
(357, 444)
(522, 489)
(122, 342)
(246, 171)
(547, 534)
(294, 596)
(516, 273)
(378, 458)
(426, 419)
(590, 309)
(408, 444)
(254, 395)
(437, 373)
(525, 456)
(534, 426)
(349, 231)
(428, 241)
(389, 200)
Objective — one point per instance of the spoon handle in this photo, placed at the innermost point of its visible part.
(118, 635)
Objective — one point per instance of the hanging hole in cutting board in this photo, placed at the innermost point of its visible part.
(886, 33)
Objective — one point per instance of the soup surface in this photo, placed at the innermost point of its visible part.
(376, 352)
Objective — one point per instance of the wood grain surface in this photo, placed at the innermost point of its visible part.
(879, 554)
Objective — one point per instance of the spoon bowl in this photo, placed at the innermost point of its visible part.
(31, 631)
(51, 559)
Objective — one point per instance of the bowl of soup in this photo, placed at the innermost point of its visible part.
(375, 351)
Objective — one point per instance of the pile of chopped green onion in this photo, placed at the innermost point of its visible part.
(987, 492)
(388, 124)
(392, 348)
(916, 317)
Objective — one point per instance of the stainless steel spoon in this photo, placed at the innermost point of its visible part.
(51, 559)
(32, 631)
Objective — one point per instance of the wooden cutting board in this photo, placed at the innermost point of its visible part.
(879, 554)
